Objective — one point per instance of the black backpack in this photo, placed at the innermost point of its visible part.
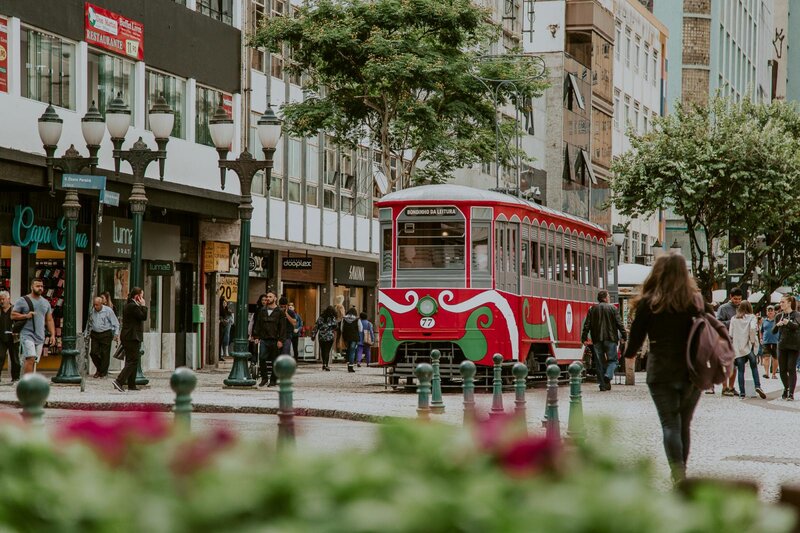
(17, 325)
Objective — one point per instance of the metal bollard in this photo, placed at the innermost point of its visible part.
(550, 361)
(551, 424)
(183, 381)
(520, 372)
(497, 387)
(285, 367)
(424, 373)
(575, 427)
(468, 369)
(32, 392)
(437, 405)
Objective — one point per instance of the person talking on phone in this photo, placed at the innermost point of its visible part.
(36, 311)
(134, 315)
(787, 324)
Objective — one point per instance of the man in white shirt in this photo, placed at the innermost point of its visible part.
(105, 327)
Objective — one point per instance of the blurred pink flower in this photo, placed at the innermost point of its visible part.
(519, 454)
(200, 451)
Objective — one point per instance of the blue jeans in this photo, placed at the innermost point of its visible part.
(740, 364)
(351, 352)
(675, 403)
(605, 360)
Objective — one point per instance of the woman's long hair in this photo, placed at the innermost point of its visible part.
(744, 309)
(328, 312)
(669, 287)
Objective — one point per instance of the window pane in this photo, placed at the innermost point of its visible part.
(480, 248)
(311, 195)
(386, 250)
(312, 163)
(346, 205)
(294, 191)
(431, 245)
(329, 199)
(174, 91)
(107, 76)
(221, 10)
(362, 206)
(295, 153)
(205, 106)
(49, 69)
(276, 189)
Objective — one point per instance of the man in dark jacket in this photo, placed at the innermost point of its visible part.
(271, 329)
(134, 315)
(604, 322)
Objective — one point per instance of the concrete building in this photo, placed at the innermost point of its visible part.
(718, 45)
(639, 97)
(576, 39)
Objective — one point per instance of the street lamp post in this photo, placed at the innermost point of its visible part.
(139, 157)
(618, 234)
(245, 167)
(93, 127)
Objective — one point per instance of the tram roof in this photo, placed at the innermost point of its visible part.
(461, 193)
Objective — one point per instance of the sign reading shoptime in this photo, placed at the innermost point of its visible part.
(28, 235)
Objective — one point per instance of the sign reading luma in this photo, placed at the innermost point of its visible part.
(26, 234)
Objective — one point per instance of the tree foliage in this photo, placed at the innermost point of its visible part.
(398, 74)
(731, 172)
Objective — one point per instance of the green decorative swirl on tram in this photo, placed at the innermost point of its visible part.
(474, 343)
(389, 343)
(537, 331)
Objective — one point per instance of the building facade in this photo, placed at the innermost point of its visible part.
(639, 97)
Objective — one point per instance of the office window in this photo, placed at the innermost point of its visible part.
(636, 117)
(655, 67)
(221, 10)
(258, 14)
(627, 47)
(618, 40)
(627, 115)
(279, 171)
(617, 109)
(646, 62)
(48, 69)
(636, 49)
(312, 172)
(206, 103)
(363, 182)
(107, 76)
(174, 91)
(294, 164)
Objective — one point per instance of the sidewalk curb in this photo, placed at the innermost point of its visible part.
(211, 408)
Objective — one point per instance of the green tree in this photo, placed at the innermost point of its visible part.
(730, 170)
(400, 75)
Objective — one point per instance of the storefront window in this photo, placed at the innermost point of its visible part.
(49, 68)
(109, 75)
(113, 277)
(205, 105)
(174, 91)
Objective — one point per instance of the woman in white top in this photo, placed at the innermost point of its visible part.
(744, 334)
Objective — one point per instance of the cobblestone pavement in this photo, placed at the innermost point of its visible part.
(732, 438)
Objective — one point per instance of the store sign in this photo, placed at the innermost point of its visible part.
(160, 268)
(358, 273)
(159, 241)
(259, 264)
(229, 287)
(3, 55)
(114, 32)
(431, 211)
(216, 256)
(297, 263)
(28, 235)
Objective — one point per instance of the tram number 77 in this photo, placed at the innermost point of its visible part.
(427, 322)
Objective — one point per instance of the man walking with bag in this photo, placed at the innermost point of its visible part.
(603, 322)
(105, 327)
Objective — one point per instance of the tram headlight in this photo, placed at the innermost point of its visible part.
(427, 306)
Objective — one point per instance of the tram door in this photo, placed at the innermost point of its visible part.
(507, 256)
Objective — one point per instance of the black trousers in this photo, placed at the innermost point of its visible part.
(132, 355)
(675, 403)
(325, 351)
(295, 345)
(11, 349)
(101, 350)
(787, 363)
(267, 353)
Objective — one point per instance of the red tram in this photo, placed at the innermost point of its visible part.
(473, 273)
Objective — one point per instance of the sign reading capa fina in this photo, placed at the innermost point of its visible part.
(28, 235)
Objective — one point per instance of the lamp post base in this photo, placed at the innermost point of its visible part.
(68, 370)
(240, 373)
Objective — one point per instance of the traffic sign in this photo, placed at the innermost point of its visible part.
(83, 181)
(109, 197)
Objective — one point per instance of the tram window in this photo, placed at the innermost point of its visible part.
(431, 245)
(480, 247)
(534, 259)
(602, 275)
(542, 261)
(386, 250)
(500, 246)
(593, 273)
(581, 272)
(524, 256)
(574, 266)
(551, 263)
(512, 249)
(559, 265)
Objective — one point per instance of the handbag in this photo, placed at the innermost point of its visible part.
(120, 352)
(368, 340)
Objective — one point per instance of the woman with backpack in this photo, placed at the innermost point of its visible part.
(326, 327)
(744, 337)
(787, 323)
(665, 307)
(366, 337)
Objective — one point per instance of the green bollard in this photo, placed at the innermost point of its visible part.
(551, 411)
(424, 373)
(550, 361)
(285, 367)
(575, 427)
(32, 392)
(468, 369)
(520, 372)
(183, 381)
(497, 387)
(437, 405)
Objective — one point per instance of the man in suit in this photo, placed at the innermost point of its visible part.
(134, 315)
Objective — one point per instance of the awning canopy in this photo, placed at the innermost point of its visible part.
(630, 274)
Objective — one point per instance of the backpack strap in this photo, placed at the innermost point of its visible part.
(29, 302)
